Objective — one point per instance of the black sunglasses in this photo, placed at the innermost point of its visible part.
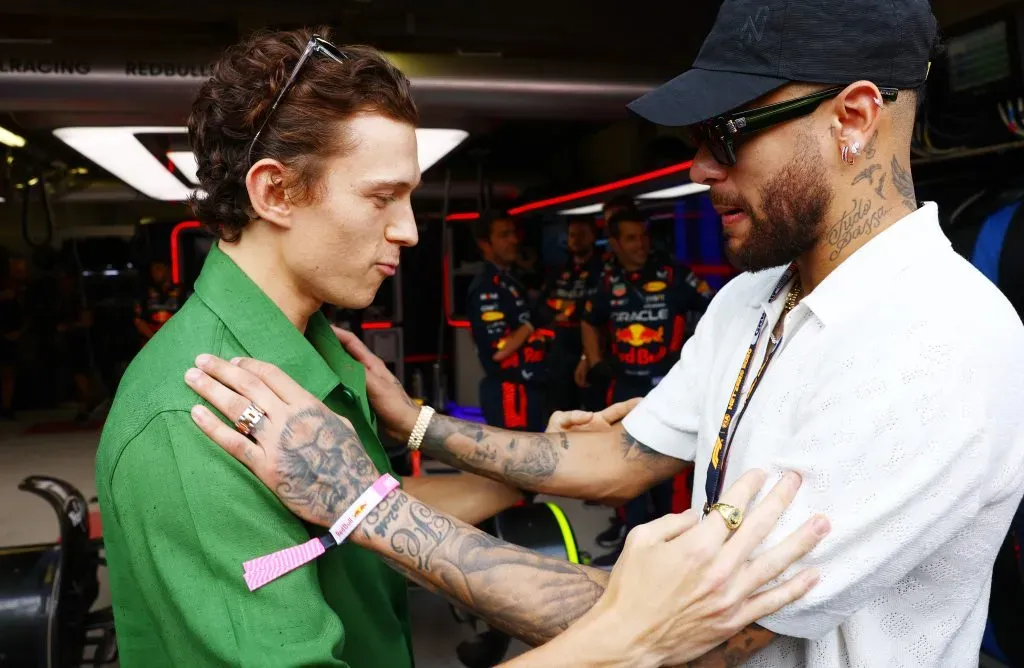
(316, 44)
(721, 134)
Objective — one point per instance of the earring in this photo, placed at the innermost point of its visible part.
(878, 101)
(849, 152)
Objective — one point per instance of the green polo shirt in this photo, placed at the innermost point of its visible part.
(180, 515)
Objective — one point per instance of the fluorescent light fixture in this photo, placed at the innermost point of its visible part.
(582, 210)
(186, 163)
(676, 191)
(435, 143)
(119, 151)
(9, 138)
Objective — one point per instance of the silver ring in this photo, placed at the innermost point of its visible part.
(249, 419)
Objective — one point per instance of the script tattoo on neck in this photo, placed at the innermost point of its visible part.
(863, 218)
(323, 467)
(521, 459)
(527, 595)
(904, 184)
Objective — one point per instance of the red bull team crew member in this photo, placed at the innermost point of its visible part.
(644, 303)
(566, 291)
(510, 341)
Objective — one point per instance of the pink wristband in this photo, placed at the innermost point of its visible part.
(263, 570)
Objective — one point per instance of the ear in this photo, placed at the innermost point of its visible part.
(856, 119)
(265, 185)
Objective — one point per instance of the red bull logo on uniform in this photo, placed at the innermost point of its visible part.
(637, 335)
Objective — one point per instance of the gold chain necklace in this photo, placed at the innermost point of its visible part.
(793, 298)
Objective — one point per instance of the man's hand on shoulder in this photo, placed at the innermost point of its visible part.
(391, 403)
(604, 420)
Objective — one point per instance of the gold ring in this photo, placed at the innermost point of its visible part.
(250, 417)
(732, 515)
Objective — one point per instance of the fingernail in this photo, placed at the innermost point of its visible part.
(192, 375)
(202, 360)
(813, 577)
(821, 526)
(197, 414)
(236, 360)
(794, 477)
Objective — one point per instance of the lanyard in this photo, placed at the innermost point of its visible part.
(719, 455)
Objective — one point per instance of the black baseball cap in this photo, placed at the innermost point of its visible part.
(757, 46)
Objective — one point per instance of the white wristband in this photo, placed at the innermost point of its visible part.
(419, 430)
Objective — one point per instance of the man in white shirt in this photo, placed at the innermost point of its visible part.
(905, 424)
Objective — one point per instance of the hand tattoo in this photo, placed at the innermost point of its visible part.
(736, 650)
(323, 466)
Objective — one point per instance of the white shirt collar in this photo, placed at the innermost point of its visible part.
(862, 278)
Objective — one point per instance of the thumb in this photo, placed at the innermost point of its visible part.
(671, 526)
(616, 412)
(566, 420)
(356, 348)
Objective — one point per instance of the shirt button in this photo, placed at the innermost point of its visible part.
(348, 396)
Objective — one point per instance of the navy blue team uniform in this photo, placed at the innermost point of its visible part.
(566, 291)
(648, 314)
(512, 393)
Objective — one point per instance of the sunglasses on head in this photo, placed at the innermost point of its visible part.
(316, 44)
(721, 134)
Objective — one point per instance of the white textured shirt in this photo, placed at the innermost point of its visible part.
(898, 394)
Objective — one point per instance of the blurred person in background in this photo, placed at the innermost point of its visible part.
(73, 324)
(512, 340)
(14, 323)
(160, 300)
(643, 306)
(565, 290)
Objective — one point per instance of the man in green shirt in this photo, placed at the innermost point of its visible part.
(179, 520)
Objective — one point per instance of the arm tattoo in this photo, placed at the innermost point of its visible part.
(634, 450)
(521, 459)
(323, 466)
(736, 650)
(524, 594)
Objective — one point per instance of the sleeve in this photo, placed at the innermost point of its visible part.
(597, 307)
(898, 460)
(668, 417)
(488, 319)
(691, 293)
(190, 515)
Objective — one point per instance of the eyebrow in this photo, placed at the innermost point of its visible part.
(397, 184)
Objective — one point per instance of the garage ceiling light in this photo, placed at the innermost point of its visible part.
(676, 191)
(582, 210)
(119, 151)
(186, 163)
(10, 139)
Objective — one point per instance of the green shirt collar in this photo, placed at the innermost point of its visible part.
(316, 361)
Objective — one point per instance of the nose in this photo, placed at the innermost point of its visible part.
(402, 230)
(705, 169)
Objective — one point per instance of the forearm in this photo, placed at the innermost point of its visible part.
(591, 343)
(608, 466)
(524, 594)
(589, 643)
(514, 341)
(465, 496)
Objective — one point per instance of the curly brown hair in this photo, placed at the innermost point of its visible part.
(305, 128)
